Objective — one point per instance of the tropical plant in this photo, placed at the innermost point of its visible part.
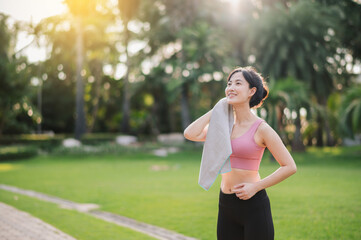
(351, 111)
(67, 62)
(298, 99)
(128, 10)
(80, 10)
(14, 81)
(284, 47)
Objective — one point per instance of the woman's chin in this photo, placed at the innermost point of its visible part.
(230, 101)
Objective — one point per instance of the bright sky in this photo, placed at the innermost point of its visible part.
(31, 10)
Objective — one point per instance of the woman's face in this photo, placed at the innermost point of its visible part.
(237, 90)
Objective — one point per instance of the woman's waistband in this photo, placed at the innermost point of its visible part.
(232, 198)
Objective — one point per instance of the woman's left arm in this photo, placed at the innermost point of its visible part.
(279, 151)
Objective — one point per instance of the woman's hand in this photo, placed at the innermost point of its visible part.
(245, 191)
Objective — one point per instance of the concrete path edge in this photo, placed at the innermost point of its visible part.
(90, 208)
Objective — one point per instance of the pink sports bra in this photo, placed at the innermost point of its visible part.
(246, 153)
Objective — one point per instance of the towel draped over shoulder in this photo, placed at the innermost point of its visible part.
(217, 147)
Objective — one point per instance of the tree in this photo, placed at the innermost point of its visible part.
(201, 50)
(349, 25)
(128, 10)
(85, 25)
(351, 111)
(80, 10)
(185, 47)
(181, 15)
(298, 98)
(284, 48)
(14, 80)
(101, 50)
(274, 105)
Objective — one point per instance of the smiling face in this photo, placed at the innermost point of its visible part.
(238, 91)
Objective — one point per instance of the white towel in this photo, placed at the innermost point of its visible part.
(217, 147)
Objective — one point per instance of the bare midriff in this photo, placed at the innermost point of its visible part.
(237, 176)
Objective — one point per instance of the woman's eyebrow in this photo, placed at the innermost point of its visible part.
(237, 79)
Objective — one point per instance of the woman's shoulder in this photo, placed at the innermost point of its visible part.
(265, 129)
(261, 121)
(263, 125)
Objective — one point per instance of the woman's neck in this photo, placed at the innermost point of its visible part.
(243, 114)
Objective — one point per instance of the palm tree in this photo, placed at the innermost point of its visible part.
(81, 10)
(101, 50)
(275, 105)
(182, 14)
(284, 47)
(203, 50)
(128, 10)
(351, 111)
(298, 98)
(291, 94)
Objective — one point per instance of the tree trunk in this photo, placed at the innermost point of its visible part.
(184, 97)
(125, 127)
(280, 125)
(185, 106)
(297, 143)
(154, 119)
(172, 118)
(80, 114)
(330, 140)
(2, 120)
(40, 100)
(321, 121)
(319, 132)
(97, 73)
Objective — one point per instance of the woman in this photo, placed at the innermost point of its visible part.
(244, 208)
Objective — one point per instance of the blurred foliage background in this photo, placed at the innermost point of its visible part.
(150, 67)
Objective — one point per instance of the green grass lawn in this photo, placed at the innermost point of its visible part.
(321, 201)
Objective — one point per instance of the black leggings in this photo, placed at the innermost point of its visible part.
(244, 219)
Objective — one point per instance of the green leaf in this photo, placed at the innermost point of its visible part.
(356, 116)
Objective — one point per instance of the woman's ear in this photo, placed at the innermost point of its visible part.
(252, 91)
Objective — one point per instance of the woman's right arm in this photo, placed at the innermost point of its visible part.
(197, 130)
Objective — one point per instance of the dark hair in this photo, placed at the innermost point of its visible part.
(255, 80)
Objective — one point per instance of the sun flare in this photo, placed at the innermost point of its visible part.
(33, 10)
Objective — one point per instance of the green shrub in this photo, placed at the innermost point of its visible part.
(17, 152)
(43, 141)
(98, 138)
(111, 148)
(99, 149)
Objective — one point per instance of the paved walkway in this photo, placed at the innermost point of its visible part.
(90, 209)
(19, 225)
